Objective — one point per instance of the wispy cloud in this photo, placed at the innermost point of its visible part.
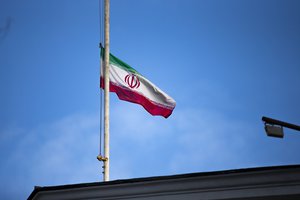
(191, 140)
(209, 141)
(64, 151)
(61, 152)
(4, 29)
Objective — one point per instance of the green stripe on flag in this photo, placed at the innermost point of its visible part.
(116, 61)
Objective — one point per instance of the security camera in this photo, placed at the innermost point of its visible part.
(274, 131)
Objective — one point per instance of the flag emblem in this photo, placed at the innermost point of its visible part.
(132, 81)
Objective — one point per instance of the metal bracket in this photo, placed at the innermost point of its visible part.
(101, 158)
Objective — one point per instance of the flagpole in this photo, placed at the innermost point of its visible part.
(106, 93)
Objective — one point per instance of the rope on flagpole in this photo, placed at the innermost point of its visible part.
(101, 93)
(101, 35)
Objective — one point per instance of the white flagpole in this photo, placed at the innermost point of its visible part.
(106, 93)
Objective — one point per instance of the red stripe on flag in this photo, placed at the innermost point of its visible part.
(134, 97)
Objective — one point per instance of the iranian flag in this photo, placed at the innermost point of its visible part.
(131, 86)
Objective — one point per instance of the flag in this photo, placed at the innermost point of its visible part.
(129, 85)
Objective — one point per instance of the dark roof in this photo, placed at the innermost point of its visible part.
(157, 178)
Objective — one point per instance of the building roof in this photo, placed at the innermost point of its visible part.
(201, 175)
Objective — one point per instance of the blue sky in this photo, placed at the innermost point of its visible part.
(226, 63)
